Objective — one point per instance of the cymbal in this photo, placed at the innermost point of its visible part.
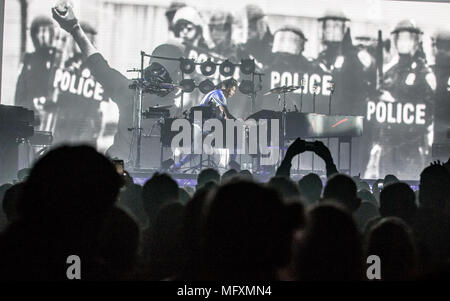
(281, 90)
(161, 107)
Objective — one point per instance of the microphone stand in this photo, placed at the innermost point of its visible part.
(314, 98)
(329, 107)
(283, 121)
(329, 100)
(314, 111)
(138, 112)
(302, 87)
(253, 93)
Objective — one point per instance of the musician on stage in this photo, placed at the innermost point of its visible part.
(217, 99)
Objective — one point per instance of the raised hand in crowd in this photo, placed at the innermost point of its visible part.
(296, 148)
(300, 146)
(323, 152)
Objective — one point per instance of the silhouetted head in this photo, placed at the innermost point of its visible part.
(246, 174)
(366, 195)
(165, 250)
(207, 175)
(119, 243)
(229, 174)
(64, 203)
(68, 183)
(131, 200)
(193, 233)
(361, 184)
(184, 196)
(365, 212)
(342, 188)
(286, 187)
(392, 240)
(11, 199)
(159, 190)
(3, 189)
(390, 179)
(247, 236)
(295, 215)
(434, 192)
(23, 174)
(310, 187)
(330, 248)
(399, 200)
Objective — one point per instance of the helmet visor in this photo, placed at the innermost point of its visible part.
(406, 42)
(288, 42)
(333, 30)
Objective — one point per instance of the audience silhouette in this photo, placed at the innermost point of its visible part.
(73, 202)
(61, 210)
(330, 248)
(392, 240)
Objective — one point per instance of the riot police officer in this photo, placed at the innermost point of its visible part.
(220, 27)
(259, 37)
(34, 88)
(190, 27)
(442, 104)
(404, 109)
(290, 67)
(353, 68)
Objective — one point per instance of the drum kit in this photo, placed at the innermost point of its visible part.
(282, 90)
(162, 113)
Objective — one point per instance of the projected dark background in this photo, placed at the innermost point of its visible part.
(293, 42)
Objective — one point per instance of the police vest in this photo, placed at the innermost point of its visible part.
(81, 84)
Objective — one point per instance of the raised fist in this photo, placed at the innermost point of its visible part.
(65, 18)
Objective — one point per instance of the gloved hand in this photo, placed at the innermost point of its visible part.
(68, 21)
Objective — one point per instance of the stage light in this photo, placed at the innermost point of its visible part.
(156, 72)
(157, 79)
(187, 85)
(247, 66)
(246, 87)
(227, 68)
(208, 68)
(187, 65)
(206, 86)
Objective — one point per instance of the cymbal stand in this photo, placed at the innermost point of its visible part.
(314, 98)
(314, 111)
(138, 87)
(283, 123)
(331, 95)
(302, 87)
